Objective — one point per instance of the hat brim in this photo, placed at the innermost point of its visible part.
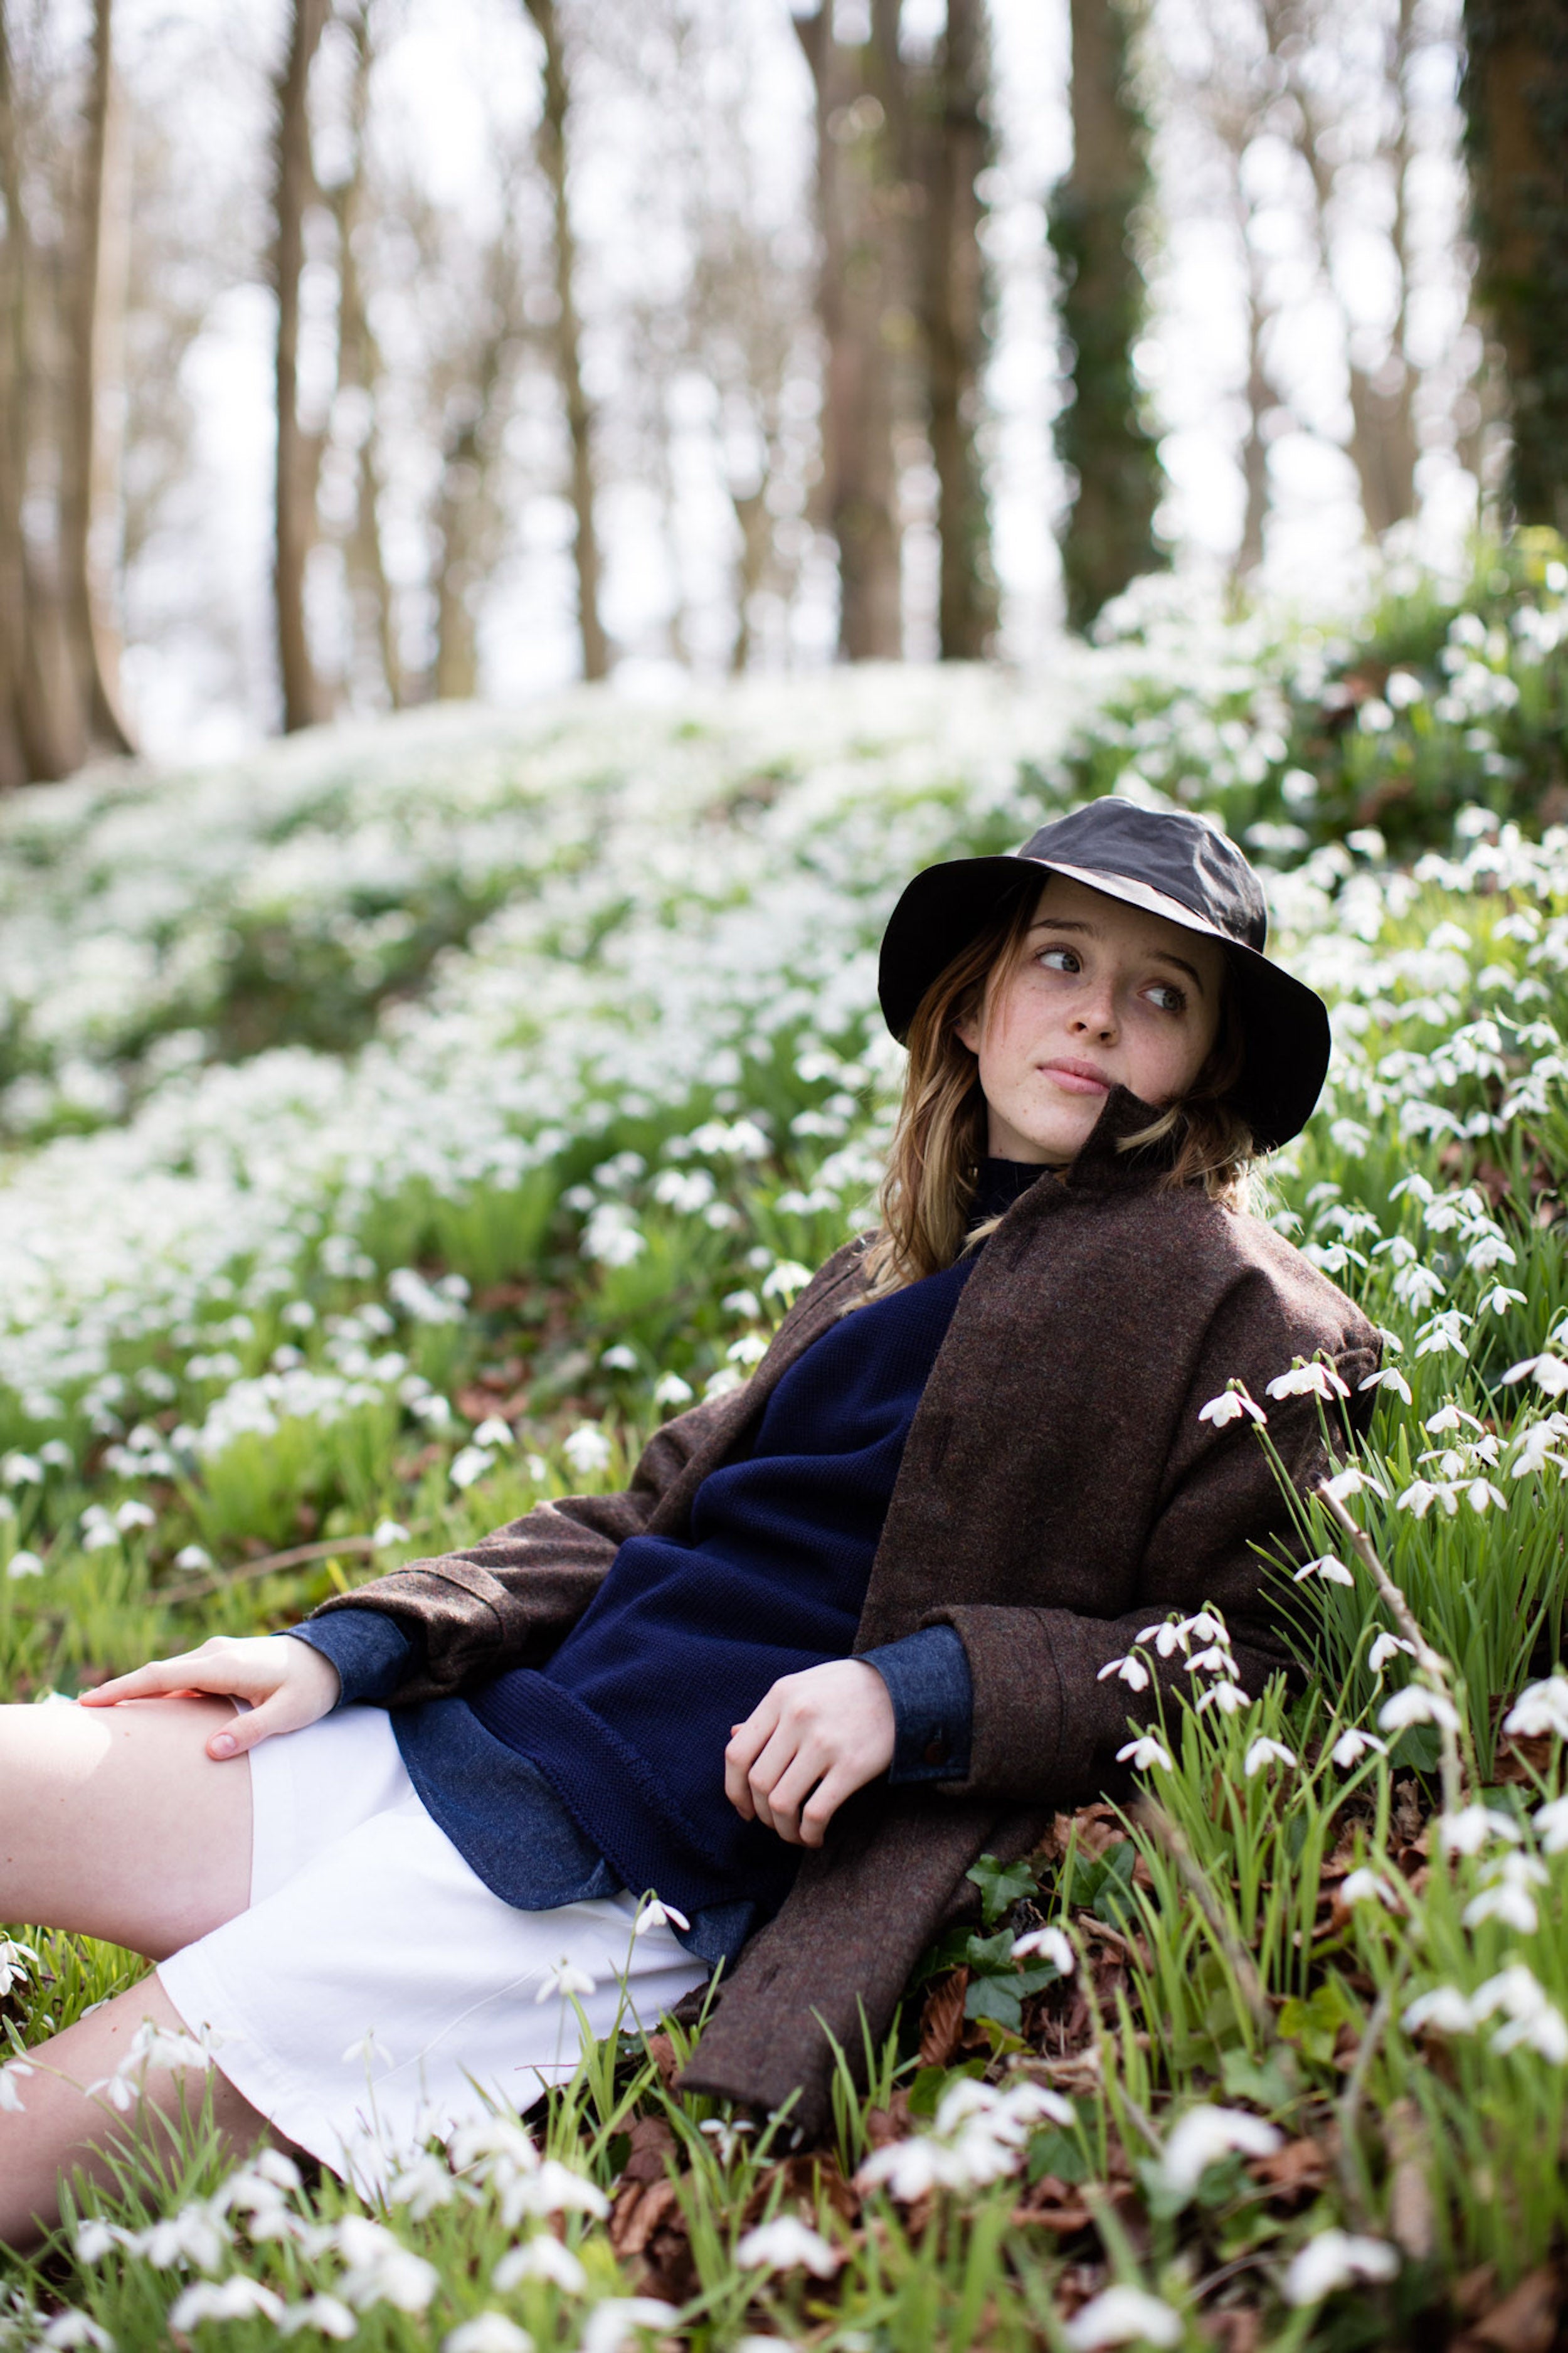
(1285, 1024)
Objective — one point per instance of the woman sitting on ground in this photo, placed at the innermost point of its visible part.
(846, 1629)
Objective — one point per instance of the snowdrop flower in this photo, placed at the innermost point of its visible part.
(671, 1389)
(726, 2135)
(238, 2298)
(655, 1914)
(381, 2269)
(1416, 1704)
(324, 2316)
(488, 2332)
(1205, 1626)
(1540, 1710)
(15, 1960)
(552, 2188)
(193, 1557)
(1388, 1377)
(1365, 1886)
(1229, 1698)
(95, 2238)
(1480, 1495)
(1534, 2022)
(1549, 1372)
(785, 1279)
(541, 2258)
(422, 2186)
(786, 2244)
(1144, 1756)
(1352, 1745)
(68, 2331)
(1229, 1405)
(386, 1532)
(197, 2234)
(1308, 1380)
(587, 1449)
(1328, 1567)
(1513, 1905)
(610, 2325)
(1444, 2010)
(1204, 2135)
(1537, 1448)
(1422, 1493)
(1498, 1299)
(367, 2053)
(1266, 1752)
(469, 1465)
(1387, 1647)
(494, 1432)
(562, 1982)
(10, 2100)
(1336, 2259)
(1353, 1481)
(1213, 1661)
(1168, 1637)
(1130, 1671)
(1122, 2315)
(1468, 1832)
(133, 1515)
(1449, 1417)
(1552, 1824)
(908, 2170)
(1048, 1945)
(23, 1562)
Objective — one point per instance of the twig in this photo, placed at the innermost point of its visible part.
(297, 1557)
(1431, 1662)
(1248, 1983)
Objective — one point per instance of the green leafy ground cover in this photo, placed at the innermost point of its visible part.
(1277, 2054)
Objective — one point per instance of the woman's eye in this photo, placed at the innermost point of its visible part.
(1060, 960)
(1168, 996)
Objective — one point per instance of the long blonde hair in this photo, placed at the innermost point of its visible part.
(939, 1140)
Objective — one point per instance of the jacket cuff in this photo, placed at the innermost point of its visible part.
(928, 1681)
(371, 1653)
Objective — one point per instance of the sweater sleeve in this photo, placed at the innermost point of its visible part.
(927, 1676)
(371, 1653)
(1046, 1727)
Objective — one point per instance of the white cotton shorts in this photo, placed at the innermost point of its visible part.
(375, 1992)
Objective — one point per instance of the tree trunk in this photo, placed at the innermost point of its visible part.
(1516, 108)
(90, 470)
(294, 505)
(955, 143)
(41, 731)
(860, 472)
(579, 423)
(1108, 539)
(373, 614)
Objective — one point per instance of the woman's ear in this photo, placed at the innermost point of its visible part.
(968, 1034)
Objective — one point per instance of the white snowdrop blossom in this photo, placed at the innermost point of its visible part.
(1204, 2135)
(587, 1449)
(488, 2332)
(1549, 1372)
(1333, 2260)
(369, 2050)
(553, 2189)
(562, 1982)
(1229, 1698)
(1365, 1886)
(1213, 1661)
(1352, 1745)
(1386, 1648)
(612, 2325)
(238, 2298)
(786, 2244)
(1046, 1945)
(1388, 1376)
(1328, 1568)
(68, 2331)
(1145, 1755)
(1416, 1704)
(16, 1960)
(671, 1389)
(1444, 2010)
(10, 2100)
(1552, 1826)
(655, 1914)
(1122, 2315)
(469, 1465)
(322, 2316)
(1130, 1671)
(1468, 1830)
(541, 2258)
(1513, 1905)
(1353, 1481)
(1169, 1637)
(387, 1533)
(1229, 1405)
(979, 2135)
(1540, 1711)
(1534, 2020)
(381, 2269)
(1317, 1380)
(1264, 1752)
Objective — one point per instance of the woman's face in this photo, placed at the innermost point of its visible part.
(1103, 995)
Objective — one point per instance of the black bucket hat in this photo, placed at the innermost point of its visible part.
(1171, 864)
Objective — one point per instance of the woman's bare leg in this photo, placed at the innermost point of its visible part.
(63, 2126)
(114, 1822)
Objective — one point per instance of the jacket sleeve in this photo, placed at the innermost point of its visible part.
(510, 1599)
(1046, 1727)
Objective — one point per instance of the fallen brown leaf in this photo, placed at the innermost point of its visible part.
(1524, 2322)
(941, 2020)
(1411, 2220)
(1291, 2172)
(637, 2213)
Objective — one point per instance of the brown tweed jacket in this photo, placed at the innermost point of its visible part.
(1058, 1491)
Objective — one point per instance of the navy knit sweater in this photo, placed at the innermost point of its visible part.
(628, 1723)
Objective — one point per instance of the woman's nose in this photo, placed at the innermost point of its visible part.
(1098, 1017)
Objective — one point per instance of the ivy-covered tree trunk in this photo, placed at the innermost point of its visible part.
(1516, 108)
(1108, 538)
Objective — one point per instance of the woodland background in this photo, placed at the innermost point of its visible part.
(362, 352)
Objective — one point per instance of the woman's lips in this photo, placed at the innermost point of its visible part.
(1077, 1078)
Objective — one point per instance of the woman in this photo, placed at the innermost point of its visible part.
(844, 1631)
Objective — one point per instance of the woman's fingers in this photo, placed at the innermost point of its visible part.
(289, 1684)
(747, 1743)
(161, 1679)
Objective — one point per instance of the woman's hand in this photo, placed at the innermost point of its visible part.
(816, 1739)
(288, 1683)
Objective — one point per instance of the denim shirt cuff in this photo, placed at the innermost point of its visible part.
(369, 1649)
(928, 1681)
